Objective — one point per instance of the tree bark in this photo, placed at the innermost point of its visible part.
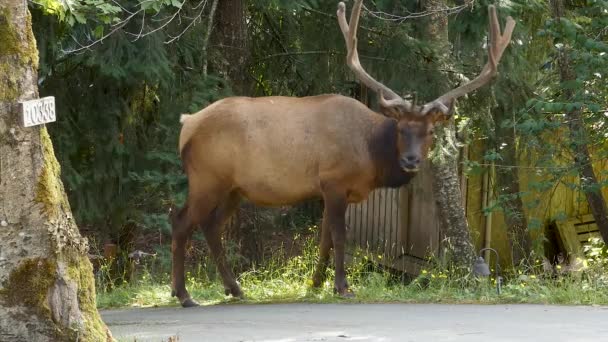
(446, 183)
(578, 135)
(232, 53)
(230, 59)
(507, 180)
(47, 290)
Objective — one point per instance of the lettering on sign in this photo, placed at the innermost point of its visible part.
(39, 111)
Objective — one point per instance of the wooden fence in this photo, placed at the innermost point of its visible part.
(398, 228)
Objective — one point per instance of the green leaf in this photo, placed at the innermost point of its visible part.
(594, 107)
(80, 18)
(98, 32)
(570, 107)
(572, 84)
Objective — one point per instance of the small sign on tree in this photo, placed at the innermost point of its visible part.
(38, 111)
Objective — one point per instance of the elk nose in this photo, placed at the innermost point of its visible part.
(412, 159)
(410, 162)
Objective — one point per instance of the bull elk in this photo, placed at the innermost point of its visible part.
(281, 150)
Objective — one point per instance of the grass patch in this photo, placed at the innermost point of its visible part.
(281, 281)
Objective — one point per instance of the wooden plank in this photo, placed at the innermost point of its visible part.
(585, 219)
(402, 233)
(423, 221)
(584, 238)
(586, 228)
(372, 222)
(409, 264)
(568, 237)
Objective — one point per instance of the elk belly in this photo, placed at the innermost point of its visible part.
(278, 191)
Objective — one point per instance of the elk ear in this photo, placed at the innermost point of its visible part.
(395, 111)
(391, 112)
(438, 116)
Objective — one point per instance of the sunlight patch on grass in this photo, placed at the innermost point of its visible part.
(282, 281)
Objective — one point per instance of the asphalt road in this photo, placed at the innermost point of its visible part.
(361, 322)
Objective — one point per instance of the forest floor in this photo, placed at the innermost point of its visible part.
(359, 322)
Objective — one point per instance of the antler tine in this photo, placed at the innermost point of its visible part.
(349, 30)
(498, 44)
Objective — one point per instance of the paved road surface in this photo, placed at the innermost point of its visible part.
(367, 322)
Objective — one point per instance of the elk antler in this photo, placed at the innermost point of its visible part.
(498, 44)
(352, 59)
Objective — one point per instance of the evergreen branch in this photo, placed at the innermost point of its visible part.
(332, 17)
(199, 15)
(168, 21)
(117, 27)
(122, 23)
(299, 53)
(277, 37)
(562, 168)
(332, 52)
(416, 15)
(121, 7)
(143, 22)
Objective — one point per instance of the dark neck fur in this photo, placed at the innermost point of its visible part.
(383, 149)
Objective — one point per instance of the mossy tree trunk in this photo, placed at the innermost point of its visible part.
(47, 291)
(446, 181)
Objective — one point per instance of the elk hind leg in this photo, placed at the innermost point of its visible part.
(198, 209)
(213, 235)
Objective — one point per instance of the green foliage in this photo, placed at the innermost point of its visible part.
(81, 11)
(596, 253)
(120, 104)
(531, 102)
(581, 35)
(120, 97)
(123, 74)
(283, 279)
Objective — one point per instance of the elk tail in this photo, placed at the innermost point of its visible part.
(184, 117)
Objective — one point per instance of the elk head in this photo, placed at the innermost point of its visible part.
(416, 123)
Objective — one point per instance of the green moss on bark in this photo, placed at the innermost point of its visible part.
(9, 41)
(15, 53)
(29, 283)
(81, 271)
(50, 191)
(30, 51)
(9, 86)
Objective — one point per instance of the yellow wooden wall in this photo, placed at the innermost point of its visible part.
(558, 200)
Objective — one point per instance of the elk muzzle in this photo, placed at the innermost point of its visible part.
(409, 162)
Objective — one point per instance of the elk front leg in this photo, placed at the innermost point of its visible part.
(333, 218)
(325, 247)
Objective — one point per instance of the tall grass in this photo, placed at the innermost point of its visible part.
(283, 279)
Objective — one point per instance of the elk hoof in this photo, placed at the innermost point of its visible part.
(235, 292)
(317, 281)
(189, 303)
(345, 292)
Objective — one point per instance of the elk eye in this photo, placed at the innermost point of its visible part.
(432, 132)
